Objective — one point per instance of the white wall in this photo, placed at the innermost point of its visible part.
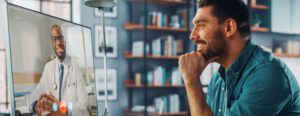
(30, 41)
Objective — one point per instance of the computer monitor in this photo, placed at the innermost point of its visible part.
(51, 64)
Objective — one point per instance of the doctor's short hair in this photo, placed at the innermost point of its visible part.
(235, 9)
(56, 27)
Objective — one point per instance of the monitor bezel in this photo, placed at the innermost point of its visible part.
(9, 57)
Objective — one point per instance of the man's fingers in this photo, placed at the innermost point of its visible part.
(53, 98)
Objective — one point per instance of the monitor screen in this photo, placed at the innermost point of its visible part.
(52, 64)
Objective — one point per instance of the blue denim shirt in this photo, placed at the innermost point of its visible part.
(255, 84)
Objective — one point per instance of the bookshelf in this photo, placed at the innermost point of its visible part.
(162, 2)
(136, 26)
(286, 55)
(127, 112)
(131, 84)
(260, 13)
(259, 29)
(153, 31)
(128, 55)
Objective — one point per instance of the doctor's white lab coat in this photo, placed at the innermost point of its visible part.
(73, 85)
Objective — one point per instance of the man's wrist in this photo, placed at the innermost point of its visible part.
(194, 81)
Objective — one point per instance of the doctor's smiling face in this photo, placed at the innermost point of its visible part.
(58, 42)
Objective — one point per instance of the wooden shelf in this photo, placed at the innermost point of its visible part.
(254, 5)
(163, 2)
(130, 84)
(128, 113)
(129, 56)
(286, 55)
(153, 86)
(259, 7)
(259, 29)
(135, 26)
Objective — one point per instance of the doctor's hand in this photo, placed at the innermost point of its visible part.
(191, 65)
(44, 104)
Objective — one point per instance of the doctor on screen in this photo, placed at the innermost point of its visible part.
(61, 90)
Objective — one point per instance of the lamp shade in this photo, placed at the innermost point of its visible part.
(100, 3)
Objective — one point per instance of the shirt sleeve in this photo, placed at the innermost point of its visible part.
(266, 91)
(210, 90)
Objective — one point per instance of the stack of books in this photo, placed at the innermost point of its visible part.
(170, 104)
(160, 19)
(159, 76)
(166, 46)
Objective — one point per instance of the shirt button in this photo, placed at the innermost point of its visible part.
(220, 110)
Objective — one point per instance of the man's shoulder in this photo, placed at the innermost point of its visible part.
(263, 60)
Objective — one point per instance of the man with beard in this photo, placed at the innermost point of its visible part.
(250, 81)
(61, 84)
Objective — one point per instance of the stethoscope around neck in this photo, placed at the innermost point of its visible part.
(55, 86)
(54, 83)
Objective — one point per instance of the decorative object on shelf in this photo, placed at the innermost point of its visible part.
(138, 79)
(109, 12)
(257, 21)
(100, 5)
(111, 41)
(111, 82)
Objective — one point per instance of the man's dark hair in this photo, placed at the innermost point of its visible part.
(235, 9)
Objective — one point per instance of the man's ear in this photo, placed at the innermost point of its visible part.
(230, 27)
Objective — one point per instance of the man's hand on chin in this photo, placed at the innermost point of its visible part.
(191, 65)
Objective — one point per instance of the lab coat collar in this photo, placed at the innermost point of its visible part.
(66, 61)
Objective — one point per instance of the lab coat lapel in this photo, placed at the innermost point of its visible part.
(66, 75)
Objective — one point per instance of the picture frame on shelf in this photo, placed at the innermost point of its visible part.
(111, 84)
(111, 41)
(109, 12)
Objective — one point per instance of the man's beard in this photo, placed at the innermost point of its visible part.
(215, 46)
(60, 55)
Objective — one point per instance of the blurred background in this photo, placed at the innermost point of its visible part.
(145, 40)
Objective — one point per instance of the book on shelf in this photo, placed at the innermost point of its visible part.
(166, 46)
(161, 46)
(170, 103)
(160, 19)
(176, 78)
(138, 48)
(293, 47)
(159, 76)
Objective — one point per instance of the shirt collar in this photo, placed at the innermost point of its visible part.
(240, 62)
(65, 62)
